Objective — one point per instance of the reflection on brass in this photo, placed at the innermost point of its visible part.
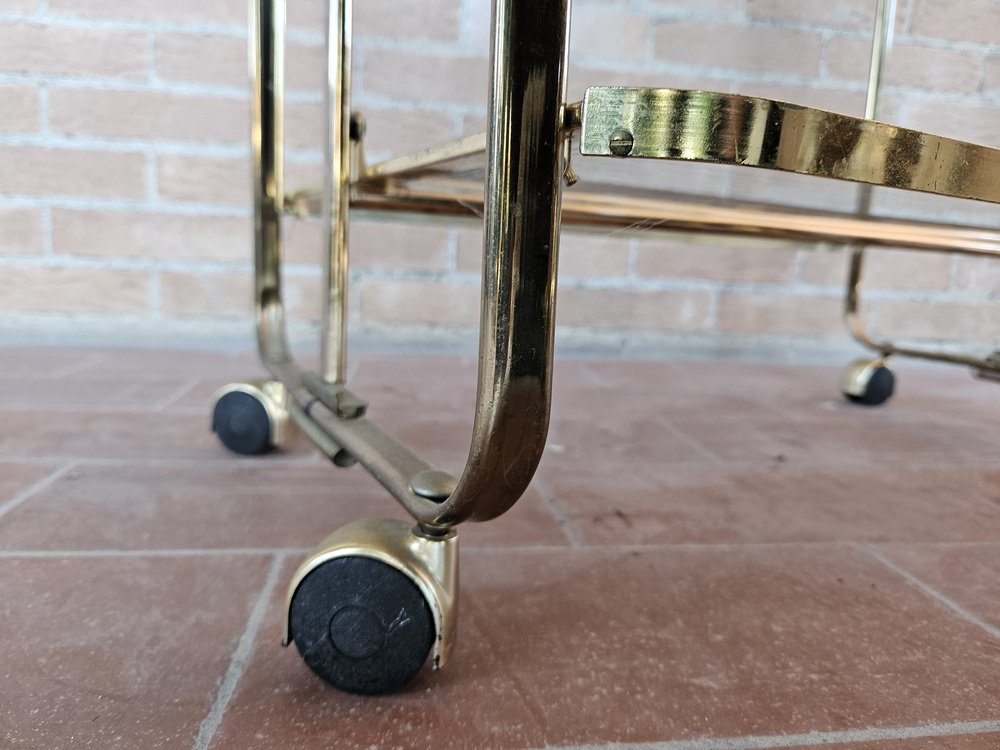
(755, 132)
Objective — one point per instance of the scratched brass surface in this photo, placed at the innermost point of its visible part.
(750, 131)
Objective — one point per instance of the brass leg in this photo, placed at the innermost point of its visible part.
(988, 367)
(524, 170)
(336, 195)
(885, 16)
(267, 60)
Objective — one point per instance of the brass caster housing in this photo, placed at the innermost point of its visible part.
(372, 602)
(251, 417)
(869, 382)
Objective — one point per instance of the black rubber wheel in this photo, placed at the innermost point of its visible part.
(242, 424)
(361, 625)
(878, 390)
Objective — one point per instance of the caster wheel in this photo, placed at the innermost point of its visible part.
(361, 625)
(868, 382)
(249, 418)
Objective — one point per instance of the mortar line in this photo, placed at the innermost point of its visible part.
(155, 296)
(945, 601)
(239, 660)
(48, 233)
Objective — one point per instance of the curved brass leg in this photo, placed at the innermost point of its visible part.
(524, 172)
(525, 155)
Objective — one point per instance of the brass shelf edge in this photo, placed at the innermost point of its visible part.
(706, 126)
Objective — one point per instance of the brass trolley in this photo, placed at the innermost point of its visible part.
(377, 597)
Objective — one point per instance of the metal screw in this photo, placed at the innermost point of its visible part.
(433, 484)
(621, 142)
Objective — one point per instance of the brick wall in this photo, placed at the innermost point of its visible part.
(124, 174)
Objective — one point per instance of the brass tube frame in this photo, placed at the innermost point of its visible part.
(881, 42)
(525, 161)
(524, 165)
(597, 210)
(856, 326)
(336, 192)
(267, 56)
(266, 50)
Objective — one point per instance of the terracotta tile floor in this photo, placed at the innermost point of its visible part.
(713, 556)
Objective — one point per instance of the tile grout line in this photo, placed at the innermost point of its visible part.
(214, 464)
(693, 443)
(137, 553)
(239, 660)
(474, 549)
(32, 490)
(176, 395)
(810, 739)
(82, 365)
(302, 460)
(948, 603)
(559, 513)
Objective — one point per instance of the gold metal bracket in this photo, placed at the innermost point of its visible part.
(334, 397)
